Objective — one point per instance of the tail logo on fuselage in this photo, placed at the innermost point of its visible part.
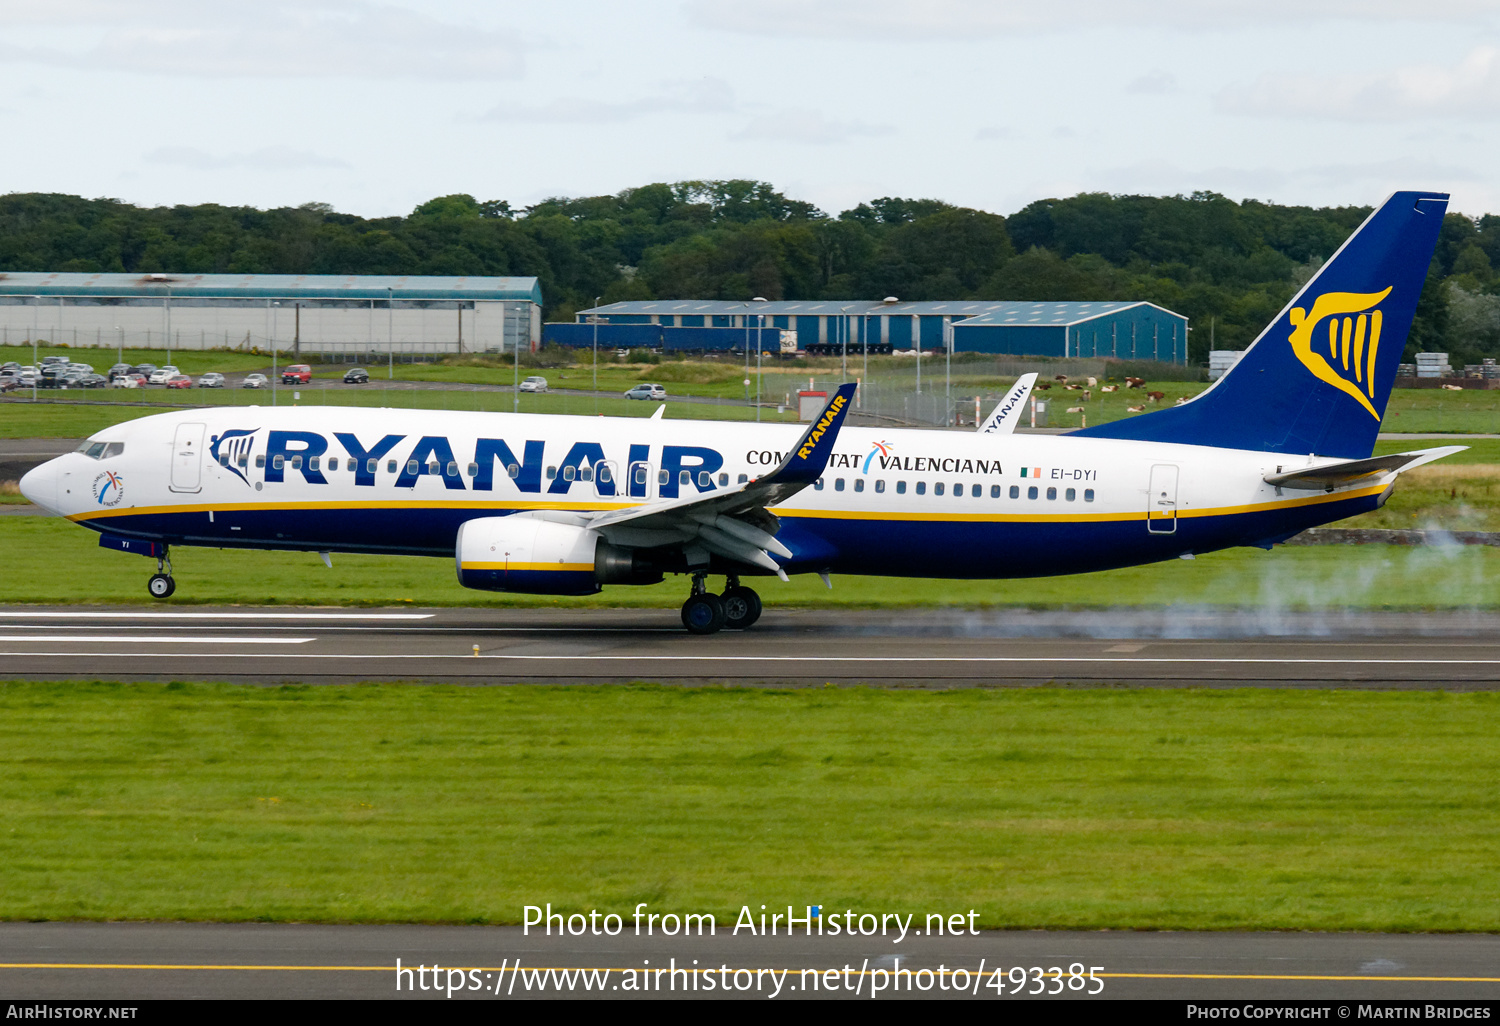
(1344, 356)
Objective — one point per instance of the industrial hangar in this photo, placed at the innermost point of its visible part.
(1126, 331)
(328, 314)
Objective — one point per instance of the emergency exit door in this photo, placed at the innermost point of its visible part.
(1161, 509)
(187, 458)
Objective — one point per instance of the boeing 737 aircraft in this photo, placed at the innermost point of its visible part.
(561, 505)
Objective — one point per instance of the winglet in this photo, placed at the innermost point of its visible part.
(810, 455)
(1007, 413)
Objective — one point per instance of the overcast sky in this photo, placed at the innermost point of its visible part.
(375, 107)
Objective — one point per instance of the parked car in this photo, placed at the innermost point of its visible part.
(145, 370)
(127, 381)
(179, 381)
(646, 392)
(296, 374)
(51, 376)
(28, 377)
(9, 383)
(535, 383)
(118, 369)
(255, 381)
(71, 378)
(213, 379)
(48, 361)
(10, 367)
(356, 376)
(162, 374)
(93, 381)
(86, 368)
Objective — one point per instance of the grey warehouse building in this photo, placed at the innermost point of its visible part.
(327, 314)
(1126, 331)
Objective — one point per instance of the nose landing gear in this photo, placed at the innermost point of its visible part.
(161, 584)
(706, 613)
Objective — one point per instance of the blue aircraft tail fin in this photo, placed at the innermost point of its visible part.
(1318, 378)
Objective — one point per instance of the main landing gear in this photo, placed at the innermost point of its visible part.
(704, 612)
(161, 584)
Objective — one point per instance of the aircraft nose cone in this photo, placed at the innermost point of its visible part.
(39, 485)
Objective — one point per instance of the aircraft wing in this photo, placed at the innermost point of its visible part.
(1328, 476)
(1007, 413)
(733, 521)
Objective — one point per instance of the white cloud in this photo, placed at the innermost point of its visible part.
(993, 133)
(809, 127)
(323, 39)
(705, 96)
(907, 19)
(269, 158)
(1469, 89)
(1153, 83)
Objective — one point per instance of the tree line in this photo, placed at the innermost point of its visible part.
(1229, 266)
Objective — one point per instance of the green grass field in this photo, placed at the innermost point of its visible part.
(1243, 809)
(1367, 576)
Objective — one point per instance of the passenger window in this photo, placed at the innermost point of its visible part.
(312, 463)
(1015, 491)
(1070, 494)
(684, 477)
(371, 466)
(723, 480)
(1031, 492)
(640, 475)
(994, 491)
(859, 484)
(900, 487)
(1051, 493)
(921, 487)
(296, 462)
(585, 473)
(513, 471)
(705, 479)
(838, 484)
(434, 468)
(937, 488)
(977, 491)
(278, 463)
(244, 461)
(260, 461)
(605, 477)
(569, 473)
(1088, 495)
(223, 459)
(551, 473)
(880, 484)
(663, 477)
(743, 478)
(411, 466)
(818, 485)
(452, 469)
(390, 466)
(473, 470)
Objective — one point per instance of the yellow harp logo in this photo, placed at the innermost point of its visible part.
(1351, 341)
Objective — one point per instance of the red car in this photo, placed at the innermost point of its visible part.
(296, 374)
(179, 381)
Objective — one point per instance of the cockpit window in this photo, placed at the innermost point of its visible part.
(100, 450)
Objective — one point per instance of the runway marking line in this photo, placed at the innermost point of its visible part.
(143, 639)
(710, 657)
(856, 972)
(216, 616)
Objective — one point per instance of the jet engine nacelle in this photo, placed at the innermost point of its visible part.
(527, 554)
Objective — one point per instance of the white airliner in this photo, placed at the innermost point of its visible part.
(563, 505)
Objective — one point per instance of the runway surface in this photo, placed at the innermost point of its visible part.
(257, 960)
(905, 648)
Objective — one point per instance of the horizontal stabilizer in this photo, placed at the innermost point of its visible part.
(1328, 476)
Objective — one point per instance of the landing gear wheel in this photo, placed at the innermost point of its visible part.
(161, 586)
(703, 614)
(741, 608)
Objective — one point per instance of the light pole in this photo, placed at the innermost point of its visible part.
(275, 377)
(36, 369)
(515, 362)
(760, 324)
(390, 332)
(844, 358)
(595, 318)
(121, 356)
